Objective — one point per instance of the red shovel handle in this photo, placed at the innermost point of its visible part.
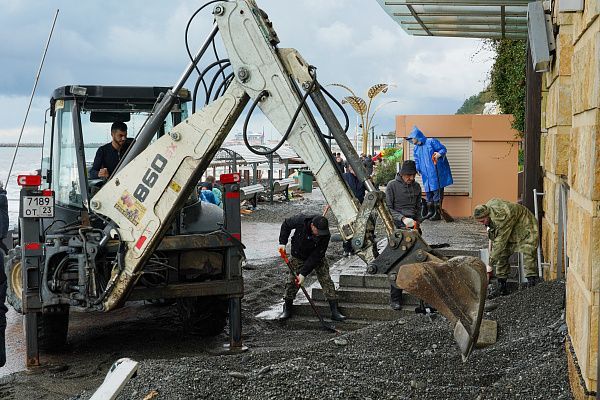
(283, 255)
(434, 160)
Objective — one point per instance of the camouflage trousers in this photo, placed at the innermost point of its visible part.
(529, 261)
(322, 271)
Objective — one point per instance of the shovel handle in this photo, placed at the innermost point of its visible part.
(310, 300)
(283, 255)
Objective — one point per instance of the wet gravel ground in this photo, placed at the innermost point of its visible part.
(411, 358)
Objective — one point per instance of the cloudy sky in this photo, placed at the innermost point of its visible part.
(137, 42)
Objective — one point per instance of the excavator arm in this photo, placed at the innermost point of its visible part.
(155, 179)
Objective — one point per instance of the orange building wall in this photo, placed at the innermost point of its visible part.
(494, 154)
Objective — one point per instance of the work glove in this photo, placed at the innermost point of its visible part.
(489, 271)
(299, 280)
(436, 155)
(280, 248)
(408, 222)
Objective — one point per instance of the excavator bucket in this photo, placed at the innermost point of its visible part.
(456, 288)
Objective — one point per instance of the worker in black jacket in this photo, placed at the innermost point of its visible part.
(309, 245)
(3, 282)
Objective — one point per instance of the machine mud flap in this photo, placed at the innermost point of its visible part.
(456, 288)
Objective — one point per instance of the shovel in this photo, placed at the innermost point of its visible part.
(445, 216)
(327, 326)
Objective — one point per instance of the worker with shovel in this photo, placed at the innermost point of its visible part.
(309, 245)
(512, 228)
(432, 165)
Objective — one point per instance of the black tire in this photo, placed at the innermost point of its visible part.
(204, 316)
(14, 280)
(52, 330)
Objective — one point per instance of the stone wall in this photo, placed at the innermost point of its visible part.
(571, 156)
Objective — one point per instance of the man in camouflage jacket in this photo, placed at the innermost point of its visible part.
(512, 228)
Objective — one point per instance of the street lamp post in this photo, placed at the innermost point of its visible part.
(363, 109)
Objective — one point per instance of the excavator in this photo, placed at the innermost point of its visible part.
(144, 224)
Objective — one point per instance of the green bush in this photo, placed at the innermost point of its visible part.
(508, 78)
(385, 172)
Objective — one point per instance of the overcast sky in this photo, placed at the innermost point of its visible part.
(137, 42)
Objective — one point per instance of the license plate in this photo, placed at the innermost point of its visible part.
(38, 206)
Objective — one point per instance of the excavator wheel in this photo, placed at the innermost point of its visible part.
(203, 316)
(14, 290)
(52, 329)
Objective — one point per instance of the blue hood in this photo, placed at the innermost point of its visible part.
(417, 134)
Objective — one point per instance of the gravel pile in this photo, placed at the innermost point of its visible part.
(409, 358)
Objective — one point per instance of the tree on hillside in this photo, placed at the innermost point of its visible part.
(475, 103)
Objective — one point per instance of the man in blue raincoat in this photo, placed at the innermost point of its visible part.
(435, 176)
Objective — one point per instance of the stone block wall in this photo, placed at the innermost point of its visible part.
(571, 155)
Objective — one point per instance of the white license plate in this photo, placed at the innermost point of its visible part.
(38, 207)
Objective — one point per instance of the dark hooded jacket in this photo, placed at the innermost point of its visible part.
(305, 246)
(403, 200)
(357, 187)
(3, 214)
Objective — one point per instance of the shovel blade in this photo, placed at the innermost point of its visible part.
(457, 288)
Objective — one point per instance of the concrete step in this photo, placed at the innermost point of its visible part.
(306, 322)
(458, 252)
(355, 311)
(365, 281)
(364, 295)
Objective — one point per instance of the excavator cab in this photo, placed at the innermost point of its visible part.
(81, 120)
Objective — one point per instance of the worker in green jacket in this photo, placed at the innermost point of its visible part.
(511, 228)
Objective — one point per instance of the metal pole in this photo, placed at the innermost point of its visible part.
(37, 78)
(372, 140)
(350, 152)
(164, 106)
(539, 249)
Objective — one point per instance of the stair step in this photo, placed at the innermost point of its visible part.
(308, 322)
(458, 252)
(364, 295)
(365, 281)
(355, 311)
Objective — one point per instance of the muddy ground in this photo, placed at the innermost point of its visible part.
(410, 358)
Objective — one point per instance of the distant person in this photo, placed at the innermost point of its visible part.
(358, 188)
(341, 164)
(368, 163)
(206, 195)
(216, 191)
(512, 228)
(309, 245)
(3, 250)
(108, 156)
(435, 176)
(403, 198)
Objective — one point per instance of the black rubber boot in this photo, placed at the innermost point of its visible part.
(499, 289)
(395, 298)
(336, 315)
(502, 287)
(2, 348)
(436, 216)
(287, 309)
(532, 281)
(430, 210)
